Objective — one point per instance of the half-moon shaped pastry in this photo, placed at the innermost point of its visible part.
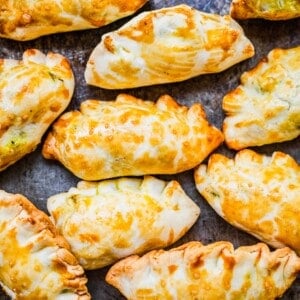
(33, 93)
(112, 219)
(130, 136)
(35, 261)
(26, 20)
(216, 271)
(256, 193)
(167, 45)
(265, 108)
(265, 9)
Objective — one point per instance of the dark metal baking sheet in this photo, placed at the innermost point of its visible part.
(38, 179)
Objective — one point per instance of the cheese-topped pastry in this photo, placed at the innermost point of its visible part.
(33, 92)
(256, 193)
(266, 9)
(112, 219)
(216, 271)
(130, 136)
(35, 261)
(167, 45)
(27, 19)
(265, 108)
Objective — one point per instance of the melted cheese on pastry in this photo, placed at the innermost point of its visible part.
(211, 272)
(256, 193)
(266, 9)
(265, 108)
(29, 19)
(167, 45)
(33, 92)
(35, 262)
(109, 220)
(130, 136)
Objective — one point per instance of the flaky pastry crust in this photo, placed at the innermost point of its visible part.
(130, 136)
(27, 19)
(265, 107)
(265, 9)
(34, 92)
(109, 220)
(216, 271)
(257, 193)
(35, 261)
(167, 45)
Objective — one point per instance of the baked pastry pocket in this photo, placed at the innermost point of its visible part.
(109, 220)
(35, 261)
(31, 19)
(167, 45)
(265, 9)
(216, 271)
(34, 92)
(257, 193)
(265, 107)
(130, 136)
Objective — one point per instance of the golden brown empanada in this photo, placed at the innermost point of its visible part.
(27, 19)
(35, 262)
(167, 45)
(130, 136)
(112, 219)
(33, 93)
(266, 9)
(211, 272)
(256, 193)
(265, 108)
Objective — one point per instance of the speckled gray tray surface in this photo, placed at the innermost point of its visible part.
(38, 179)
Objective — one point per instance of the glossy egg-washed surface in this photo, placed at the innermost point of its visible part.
(131, 136)
(39, 179)
(30, 19)
(167, 45)
(35, 261)
(265, 108)
(109, 220)
(33, 93)
(257, 193)
(266, 9)
(216, 271)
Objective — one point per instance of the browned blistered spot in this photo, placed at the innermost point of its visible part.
(249, 50)
(172, 269)
(30, 52)
(89, 237)
(72, 229)
(187, 32)
(55, 107)
(66, 93)
(122, 243)
(197, 263)
(142, 32)
(223, 38)
(125, 69)
(108, 44)
(229, 263)
(122, 222)
(25, 19)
